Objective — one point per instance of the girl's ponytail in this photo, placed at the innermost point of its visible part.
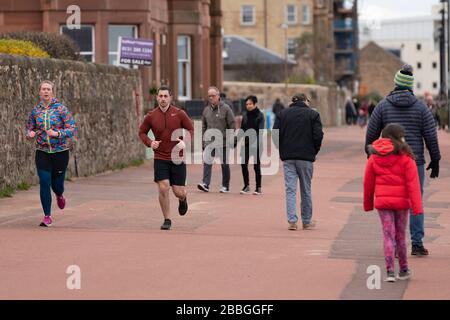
(396, 133)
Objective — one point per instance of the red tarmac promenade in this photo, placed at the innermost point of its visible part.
(228, 246)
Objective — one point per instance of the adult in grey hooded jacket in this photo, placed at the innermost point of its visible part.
(402, 107)
(219, 116)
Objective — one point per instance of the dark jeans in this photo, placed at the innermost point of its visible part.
(416, 222)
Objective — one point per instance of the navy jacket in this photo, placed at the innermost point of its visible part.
(404, 108)
(300, 132)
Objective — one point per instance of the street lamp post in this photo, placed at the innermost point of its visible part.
(442, 48)
(285, 27)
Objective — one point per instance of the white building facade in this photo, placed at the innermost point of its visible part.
(416, 40)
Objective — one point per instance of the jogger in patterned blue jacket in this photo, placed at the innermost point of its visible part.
(52, 125)
(402, 107)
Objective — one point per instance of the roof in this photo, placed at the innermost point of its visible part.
(240, 51)
(372, 45)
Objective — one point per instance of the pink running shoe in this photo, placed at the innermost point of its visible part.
(61, 201)
(46, 222)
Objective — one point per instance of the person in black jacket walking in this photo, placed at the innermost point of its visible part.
(252, 122)
(300, 138)
(402, 107)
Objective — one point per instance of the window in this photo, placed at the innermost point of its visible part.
(419, 85)
(84, 37)
(434, 85)
(114, 32)
(291, 14)
(419, 47)
(248, 15)
(184, 67)
(419, 65)
(291, 46)
(319, 3)
(306, 16)
(434, 65)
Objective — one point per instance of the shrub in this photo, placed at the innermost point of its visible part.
(6, 192)
(23, 48)
(58, 46)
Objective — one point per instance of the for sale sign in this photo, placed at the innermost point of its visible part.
(135, 51)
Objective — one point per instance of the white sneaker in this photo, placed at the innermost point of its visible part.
(224, 190)
(390, 277)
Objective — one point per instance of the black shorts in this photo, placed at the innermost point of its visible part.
(167, 170)
(55, 162)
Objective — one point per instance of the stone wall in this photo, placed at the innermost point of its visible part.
(101, 98)
(329, 101)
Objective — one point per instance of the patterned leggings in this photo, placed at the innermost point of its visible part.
(394, 226)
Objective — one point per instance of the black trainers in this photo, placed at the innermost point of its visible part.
(203, 187)
(245, 190)
(404, 275)
(419, 251)
(166, 225)
(182, 207)
(257, 191)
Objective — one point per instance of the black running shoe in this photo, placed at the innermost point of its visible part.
(166, 225)
(245, 190)
(419, 251)
(183, 207)
(203, 187)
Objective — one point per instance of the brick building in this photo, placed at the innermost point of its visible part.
(273, 25)
(187, 35)
(377, 67)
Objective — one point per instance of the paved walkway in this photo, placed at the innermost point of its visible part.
(227, 247)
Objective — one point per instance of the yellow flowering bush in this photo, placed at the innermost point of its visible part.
(21, 47)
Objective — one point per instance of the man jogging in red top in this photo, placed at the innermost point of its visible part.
(163, 121)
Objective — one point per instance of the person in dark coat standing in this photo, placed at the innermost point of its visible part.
(252, 122)
(277, 107)
(401, 106)
(300, 138)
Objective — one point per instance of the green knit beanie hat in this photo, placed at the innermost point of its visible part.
(404, 77)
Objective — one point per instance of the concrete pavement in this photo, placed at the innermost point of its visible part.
(228, 246)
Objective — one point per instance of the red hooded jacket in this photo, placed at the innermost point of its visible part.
(393, 179)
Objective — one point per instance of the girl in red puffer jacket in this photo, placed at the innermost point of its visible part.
(391, 175)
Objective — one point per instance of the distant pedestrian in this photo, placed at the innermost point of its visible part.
(253, 119)
(371, 108)
(224, 99)
(391, 176)
(363, 112)
(401, 106)
(300, 139)
(350, 111)
(443, 116)
(277, 107)
(362, 118)
(163, 121)
(52, 124)
(433, 108)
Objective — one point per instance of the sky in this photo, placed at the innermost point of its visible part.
(392, 9)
